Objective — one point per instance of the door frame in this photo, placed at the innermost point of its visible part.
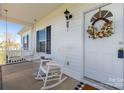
(83, 32)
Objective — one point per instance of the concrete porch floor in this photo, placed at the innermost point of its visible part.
(20, 77)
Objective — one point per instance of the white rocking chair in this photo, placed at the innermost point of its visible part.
(49, 71)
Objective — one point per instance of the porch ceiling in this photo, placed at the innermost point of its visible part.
(26, 13)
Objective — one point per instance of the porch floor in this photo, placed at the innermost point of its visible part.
(20, 77)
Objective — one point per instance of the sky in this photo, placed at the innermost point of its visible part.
(13, 28)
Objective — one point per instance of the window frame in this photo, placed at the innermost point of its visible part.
(25, 38)
(37, 41)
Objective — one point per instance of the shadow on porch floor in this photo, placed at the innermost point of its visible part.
(20, 77)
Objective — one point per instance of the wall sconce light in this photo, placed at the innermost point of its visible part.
(68, 16)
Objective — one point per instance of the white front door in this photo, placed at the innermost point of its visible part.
(101, 55)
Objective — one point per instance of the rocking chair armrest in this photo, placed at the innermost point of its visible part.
(52, 64)
(45, 60)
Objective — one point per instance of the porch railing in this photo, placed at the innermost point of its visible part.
(14, 56)
(18, 56)
(14, 53)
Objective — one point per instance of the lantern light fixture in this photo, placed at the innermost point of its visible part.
(68, 16)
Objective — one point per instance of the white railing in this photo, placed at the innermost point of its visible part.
(19, 53)
(14, 56)
(14, 53)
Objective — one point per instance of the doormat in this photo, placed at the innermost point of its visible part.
(83, 86)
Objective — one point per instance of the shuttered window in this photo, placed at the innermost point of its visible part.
(23, 41)
(41, 40)
(26, 42)
(44, 40)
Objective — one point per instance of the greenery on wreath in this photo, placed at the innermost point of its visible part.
(105, 31)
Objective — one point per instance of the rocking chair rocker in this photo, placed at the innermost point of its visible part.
(50, 71)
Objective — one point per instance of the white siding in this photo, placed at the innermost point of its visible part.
(66, 46)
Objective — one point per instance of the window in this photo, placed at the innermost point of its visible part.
(25, 42)
(44, 40)
(41, 40)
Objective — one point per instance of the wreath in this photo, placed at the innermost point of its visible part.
(105, 31)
